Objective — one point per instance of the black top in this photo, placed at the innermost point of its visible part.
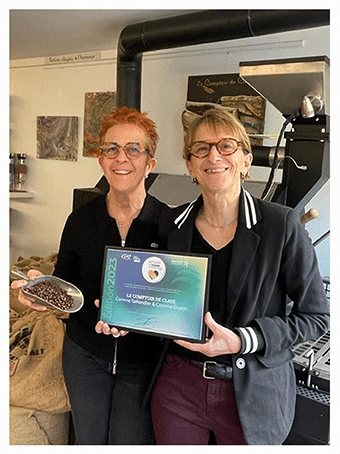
(80, 261)
(218, 305)
(273, 263)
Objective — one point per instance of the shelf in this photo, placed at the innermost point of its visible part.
(21, 195)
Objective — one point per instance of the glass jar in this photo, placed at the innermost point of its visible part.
(20, 172)
(11, 172)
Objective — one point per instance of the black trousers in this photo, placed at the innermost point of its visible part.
(106, 409)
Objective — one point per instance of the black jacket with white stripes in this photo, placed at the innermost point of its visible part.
(277, 299)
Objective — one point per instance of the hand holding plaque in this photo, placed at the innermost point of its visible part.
(102, 327)
(222, 342)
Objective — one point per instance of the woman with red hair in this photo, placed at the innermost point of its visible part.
(106, 376)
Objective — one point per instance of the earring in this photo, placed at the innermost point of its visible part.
(146, 176)
(194, 180)
(243, 174)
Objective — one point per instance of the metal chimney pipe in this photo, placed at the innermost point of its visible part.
(199, 28)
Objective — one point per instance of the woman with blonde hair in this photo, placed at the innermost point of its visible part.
(240, 383)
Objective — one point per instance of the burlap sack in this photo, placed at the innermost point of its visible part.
(43, 264)
(33, 427)
(36, 379)
(36, 341)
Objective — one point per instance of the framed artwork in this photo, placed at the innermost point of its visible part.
(57, 138)
(96, 106)
(230, 92)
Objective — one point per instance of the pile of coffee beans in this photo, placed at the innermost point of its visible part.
(52, 293)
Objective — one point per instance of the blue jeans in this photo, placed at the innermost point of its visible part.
(106, 409)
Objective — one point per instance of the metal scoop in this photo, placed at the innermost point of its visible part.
(71, 290)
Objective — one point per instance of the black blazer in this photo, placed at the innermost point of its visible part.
(273, 264)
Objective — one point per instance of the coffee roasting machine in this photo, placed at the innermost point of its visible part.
(299, 89)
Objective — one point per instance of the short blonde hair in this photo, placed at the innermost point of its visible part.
(216, 119)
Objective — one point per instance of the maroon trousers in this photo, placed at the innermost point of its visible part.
(186, 407)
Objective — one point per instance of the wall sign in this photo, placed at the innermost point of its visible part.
(73, 58)
(229, 92)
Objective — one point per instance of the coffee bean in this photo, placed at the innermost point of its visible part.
(52, 293)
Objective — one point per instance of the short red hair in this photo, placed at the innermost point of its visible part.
(127, 115)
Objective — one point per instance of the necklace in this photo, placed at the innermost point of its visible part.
(218, 226)
(121, 224)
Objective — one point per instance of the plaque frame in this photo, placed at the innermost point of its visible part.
(141, 287)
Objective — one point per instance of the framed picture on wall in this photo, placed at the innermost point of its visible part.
(230, 92)
(57, 138)
(96, 106)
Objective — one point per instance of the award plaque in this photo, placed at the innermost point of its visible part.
(153, 292)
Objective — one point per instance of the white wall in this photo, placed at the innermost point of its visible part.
(37, 89)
